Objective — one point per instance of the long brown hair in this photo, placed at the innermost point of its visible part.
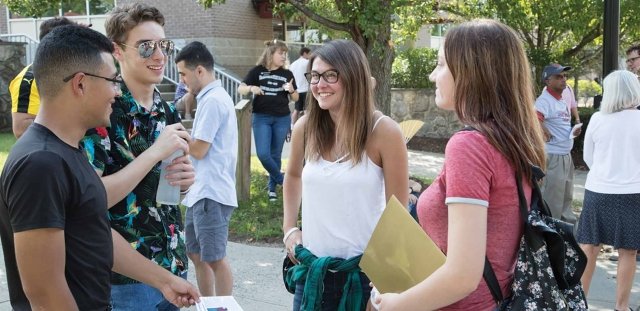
(494, 90)
(358, 106)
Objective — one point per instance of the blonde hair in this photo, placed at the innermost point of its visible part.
(358, 107)
(494, 91)
(271, 47)
(621, 90)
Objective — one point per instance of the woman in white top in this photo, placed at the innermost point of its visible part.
(611, 208)
(346, 161)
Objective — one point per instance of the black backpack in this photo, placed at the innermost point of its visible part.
(550, 262)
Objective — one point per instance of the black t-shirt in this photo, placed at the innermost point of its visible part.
(275, 100)
(46, 183)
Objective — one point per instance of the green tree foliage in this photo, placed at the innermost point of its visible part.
(566, 32)
(39, 8)
(369, 23)
(32, 8)
(411, 68)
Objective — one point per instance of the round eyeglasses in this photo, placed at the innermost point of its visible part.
(329, 76)
(146, 48)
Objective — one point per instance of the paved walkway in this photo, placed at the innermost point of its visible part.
(257, 269)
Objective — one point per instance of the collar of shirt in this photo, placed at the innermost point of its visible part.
(557, 96)
(207, 88)
(157, 109)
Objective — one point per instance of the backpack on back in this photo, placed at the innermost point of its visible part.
(549, 264)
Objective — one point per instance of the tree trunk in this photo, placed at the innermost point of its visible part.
(380, 54)
(380, 61)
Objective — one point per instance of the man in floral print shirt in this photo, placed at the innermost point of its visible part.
(144, 130)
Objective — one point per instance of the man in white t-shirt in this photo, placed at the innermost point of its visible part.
(299, 68)
(570, 99)
(555, 117)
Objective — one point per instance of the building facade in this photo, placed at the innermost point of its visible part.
(234, 31)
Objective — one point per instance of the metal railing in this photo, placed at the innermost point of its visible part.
(230, 82)
(31, 45)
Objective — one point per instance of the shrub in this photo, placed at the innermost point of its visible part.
(586, 88)
(411, 68)
(578, 142)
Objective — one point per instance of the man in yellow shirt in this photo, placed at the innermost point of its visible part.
(25, 99)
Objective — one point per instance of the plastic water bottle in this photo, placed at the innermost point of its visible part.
(168, 194)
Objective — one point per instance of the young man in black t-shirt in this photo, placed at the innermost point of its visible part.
(58, 246)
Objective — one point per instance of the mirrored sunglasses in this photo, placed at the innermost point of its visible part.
(146, 48)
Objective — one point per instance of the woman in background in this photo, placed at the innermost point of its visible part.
(472, 208)
(273, 87)
(611, 208)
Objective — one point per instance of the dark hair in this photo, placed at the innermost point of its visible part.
(635, 47)
(122, 19)
(196, 54)
(51, 23)
(493, 90)
(304, 50)
(64, 51)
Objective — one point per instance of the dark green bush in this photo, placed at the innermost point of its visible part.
(411, 68)
(578, 142)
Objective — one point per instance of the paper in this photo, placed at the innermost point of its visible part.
(572, 134)
(399, 254)
(218, 303)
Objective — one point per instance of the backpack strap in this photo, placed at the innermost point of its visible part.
(492, 281)
(488, 273)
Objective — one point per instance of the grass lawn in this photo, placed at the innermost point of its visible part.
(6, 142)
(258, 220)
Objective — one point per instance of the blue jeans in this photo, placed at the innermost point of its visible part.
(139, 296)
(333, 284)
(270, 133)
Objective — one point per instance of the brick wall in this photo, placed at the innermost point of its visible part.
(233, 31)
(4, 29)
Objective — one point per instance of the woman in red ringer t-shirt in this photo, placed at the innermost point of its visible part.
(471, 209)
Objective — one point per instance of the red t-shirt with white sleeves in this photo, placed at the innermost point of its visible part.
(476, 173)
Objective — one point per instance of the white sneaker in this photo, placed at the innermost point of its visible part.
(272, 196)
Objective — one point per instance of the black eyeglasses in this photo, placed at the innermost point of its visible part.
(329, 76)
(632, 59)
(116, 81)
(146, 48)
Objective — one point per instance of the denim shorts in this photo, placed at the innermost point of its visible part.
(207, 229)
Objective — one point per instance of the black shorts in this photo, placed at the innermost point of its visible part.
(300, 103)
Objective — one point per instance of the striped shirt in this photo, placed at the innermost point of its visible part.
(24, 93)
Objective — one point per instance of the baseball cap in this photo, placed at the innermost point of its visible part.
(553, 69)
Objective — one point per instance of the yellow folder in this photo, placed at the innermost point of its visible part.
(399, 254)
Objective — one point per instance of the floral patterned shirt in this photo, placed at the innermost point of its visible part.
(155, 231)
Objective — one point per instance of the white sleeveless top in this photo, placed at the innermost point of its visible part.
(341, 205)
